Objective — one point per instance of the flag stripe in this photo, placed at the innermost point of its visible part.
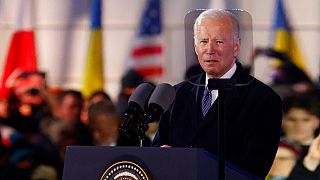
(147, 61)
(95, 15)
(93, 79)
(281, 21)
(23, 50)
(147, 50)
(284, 40)
(150, 71)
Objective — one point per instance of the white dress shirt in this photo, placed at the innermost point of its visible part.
(227, 75)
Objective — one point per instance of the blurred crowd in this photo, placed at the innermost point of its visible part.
(37, 123)
(298, 155)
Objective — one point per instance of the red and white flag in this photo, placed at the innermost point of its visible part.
(21, 53)
(146, 55)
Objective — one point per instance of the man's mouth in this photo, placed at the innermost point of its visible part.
(210, 60)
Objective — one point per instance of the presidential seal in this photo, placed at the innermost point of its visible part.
(125, 170)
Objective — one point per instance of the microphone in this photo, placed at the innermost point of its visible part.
(136, 103)
(159, 102)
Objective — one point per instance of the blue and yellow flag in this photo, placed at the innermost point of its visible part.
(93, 76)
(284, 40)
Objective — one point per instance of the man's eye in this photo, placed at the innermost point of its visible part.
(203, 41)
(219, 42)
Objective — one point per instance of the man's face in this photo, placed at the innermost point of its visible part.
(215, 46)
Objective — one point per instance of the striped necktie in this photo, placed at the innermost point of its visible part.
(206, 101)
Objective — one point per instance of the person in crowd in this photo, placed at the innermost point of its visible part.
(59, 135)
(99, 96)
(300, 121)
(308, 167)
(96, 97)
(285, 160)
(253, 110)
(29, 103)
(70, 103)
(300, 128)
(19, 158)
(64, 127)
(104, 125)
(128, 84)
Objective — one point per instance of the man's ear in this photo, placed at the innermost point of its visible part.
(236, 48)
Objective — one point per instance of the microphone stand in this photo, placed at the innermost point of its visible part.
(142, 128)
(222, 85)
(152, 114)
(133, 119)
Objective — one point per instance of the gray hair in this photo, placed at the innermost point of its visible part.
(212, 14)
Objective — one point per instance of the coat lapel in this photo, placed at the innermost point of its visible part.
(231, 97)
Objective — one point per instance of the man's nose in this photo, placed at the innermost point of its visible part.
(211, 48)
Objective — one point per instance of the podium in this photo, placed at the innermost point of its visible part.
(102, 162)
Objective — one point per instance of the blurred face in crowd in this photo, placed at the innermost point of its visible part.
(299, 125)
(216, 45)
(70, 109)
(28, 88)
(104, 129)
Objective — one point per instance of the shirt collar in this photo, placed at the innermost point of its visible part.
(227, 75)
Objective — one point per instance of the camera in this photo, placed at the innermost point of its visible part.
(33, 92)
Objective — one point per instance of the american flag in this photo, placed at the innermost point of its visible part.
(147, 50)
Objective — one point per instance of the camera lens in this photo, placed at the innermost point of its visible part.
(34, 92)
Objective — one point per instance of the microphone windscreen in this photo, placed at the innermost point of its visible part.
(141, 94)
(163, 95)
